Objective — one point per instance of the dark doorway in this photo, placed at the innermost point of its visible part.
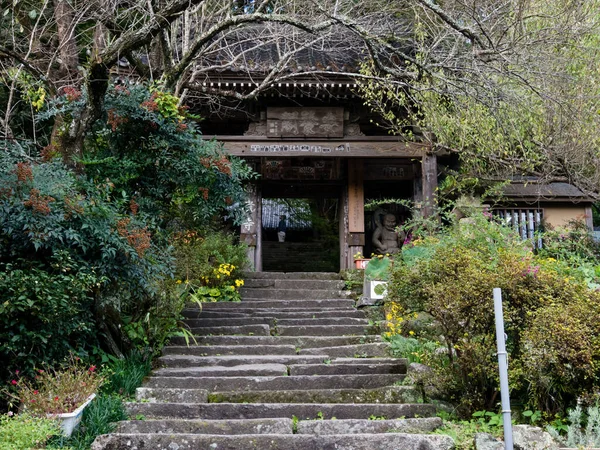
(311, 242)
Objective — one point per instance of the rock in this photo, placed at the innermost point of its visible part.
(422, 376)
(485, 441)
(526, 437)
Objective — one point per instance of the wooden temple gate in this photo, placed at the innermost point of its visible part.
(310, 145)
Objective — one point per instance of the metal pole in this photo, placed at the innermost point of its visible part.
(503, 366)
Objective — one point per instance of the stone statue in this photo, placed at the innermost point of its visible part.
(385, 237)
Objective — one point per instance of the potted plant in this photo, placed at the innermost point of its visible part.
(60, 394)
(360, 262)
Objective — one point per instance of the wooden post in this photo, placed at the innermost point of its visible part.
(356, 208)
(343, 230)
(429, 178)
(251, 228)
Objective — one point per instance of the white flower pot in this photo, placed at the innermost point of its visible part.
(69, 421)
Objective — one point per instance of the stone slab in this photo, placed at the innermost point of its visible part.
(356, 426)
(171, 395)
(346, 369)
(378, 349)
(282, 304)
(296, 341)
(325, 330)
(345, 321)
(391, 394)
(248, 370)
(291, 294)
(218, 427)
(228, 321)
(396, 441)
(214, 350)
(186, 362)
(262, 330)
(303, 411)
(274, 283)
(292, 275)
(187, 380)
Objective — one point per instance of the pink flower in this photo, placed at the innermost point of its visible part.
(92, 368)
(56, 398)
(36, 392)
(14, 382)
(16, 372)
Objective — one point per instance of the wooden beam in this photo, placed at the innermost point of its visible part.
(335, 148)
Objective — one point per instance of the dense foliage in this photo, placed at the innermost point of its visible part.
(550, 316)
(86, 243)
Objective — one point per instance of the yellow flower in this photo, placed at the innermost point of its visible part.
(411, 332)
(550, 259)
(178, 281)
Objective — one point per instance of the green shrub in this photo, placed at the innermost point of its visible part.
(583, 429)
(24, 432)
(547, 308)
(210, 265)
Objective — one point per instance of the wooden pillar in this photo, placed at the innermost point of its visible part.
(429, 183)
(250, 232)
(343, 230)
(356, 208)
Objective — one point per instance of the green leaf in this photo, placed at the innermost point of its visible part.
(33, 14)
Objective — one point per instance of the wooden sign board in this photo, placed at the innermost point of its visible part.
(356, 197)
(299, 169)
(388, 170)
(321, 149)
(305, 122)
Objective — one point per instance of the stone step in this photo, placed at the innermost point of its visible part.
(282, 304)
(280, 426)
(296, 313)
(309, 276)
(377, 349)
(389, 394)
(190, 361)
(299, 342)
(217, 350)
(218, 427)
(347, 369)
(271, 321)
(258, 330)
(194, 379)
(353, 426)
(303, 411)
(322, 330)
(171, 395)
(292, 294)
(242, 370)
(274, 283)
(323, 321)
(201, 322)
(396, 441)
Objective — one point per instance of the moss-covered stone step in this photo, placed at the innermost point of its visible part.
(396, 441)
(229, 321)
(389, 394)
(312, 276)
(249, 370)
(214, 350)
(291, 313)
(263, 330)
(283, 283)
(356, 426)
(376, 349)
(303, 411)
(292, 294)
(190, 379)
(187, 363)
(322, 330)
(282, 304)
(218, 427)
(299, 342)
(348, 369)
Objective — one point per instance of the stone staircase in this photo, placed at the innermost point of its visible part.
(292, 367)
